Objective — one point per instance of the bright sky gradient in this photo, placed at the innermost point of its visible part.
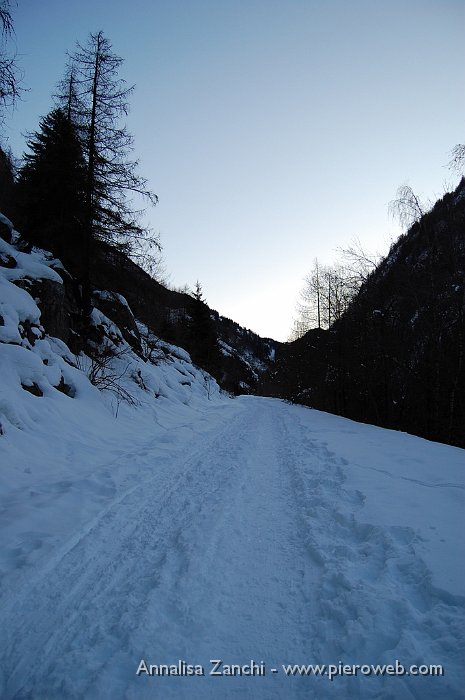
(272, 131)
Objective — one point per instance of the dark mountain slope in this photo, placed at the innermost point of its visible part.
(396, 358)
(236, 360)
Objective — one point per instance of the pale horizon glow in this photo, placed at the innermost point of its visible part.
(273, 132)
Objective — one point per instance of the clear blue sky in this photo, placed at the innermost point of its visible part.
(272, 132)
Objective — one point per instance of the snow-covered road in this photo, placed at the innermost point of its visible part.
(256, 531)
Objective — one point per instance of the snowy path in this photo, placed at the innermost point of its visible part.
(263, 537)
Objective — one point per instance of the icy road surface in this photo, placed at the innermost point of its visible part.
(255, 531)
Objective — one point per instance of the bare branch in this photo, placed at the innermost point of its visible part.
(457, 161)
(407, 207)
(10, 75)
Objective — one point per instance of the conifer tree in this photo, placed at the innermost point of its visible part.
(203, 338)
(51, 189)
(96, 100)
(7, 178)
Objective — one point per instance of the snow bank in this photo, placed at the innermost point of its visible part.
(403, 480)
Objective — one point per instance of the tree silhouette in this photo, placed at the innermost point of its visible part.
(96, 100)
(9, 73)
(51, 190)
(202, 336)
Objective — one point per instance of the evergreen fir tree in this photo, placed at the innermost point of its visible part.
(203, 337)
(7, 180)
(51, 189)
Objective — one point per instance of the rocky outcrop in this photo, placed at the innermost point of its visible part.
(59, 307)
(116, 308)
(6, 229)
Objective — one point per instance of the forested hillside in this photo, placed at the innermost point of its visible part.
(396, 357)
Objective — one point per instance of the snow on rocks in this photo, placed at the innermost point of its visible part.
(35, 265)
(39, 372)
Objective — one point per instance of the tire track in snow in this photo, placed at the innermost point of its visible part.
(247, 603)
(81, 607)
